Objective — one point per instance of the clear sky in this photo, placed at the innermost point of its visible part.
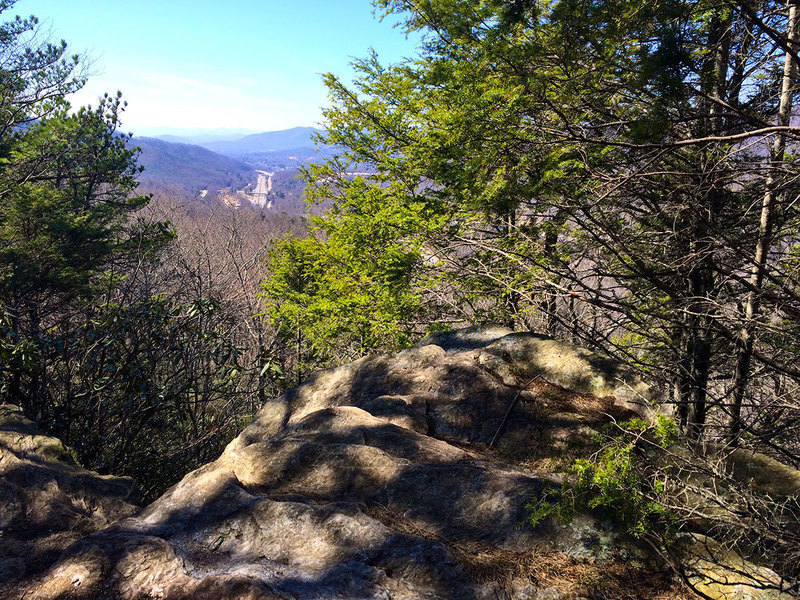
(251, 64)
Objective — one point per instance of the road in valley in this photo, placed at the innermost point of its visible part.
(263, 187)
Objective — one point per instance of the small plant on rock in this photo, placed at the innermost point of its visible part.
(619, 482)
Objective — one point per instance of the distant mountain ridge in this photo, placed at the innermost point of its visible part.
(199, 138)
(172, 166)
(195, 135)
(269, 141)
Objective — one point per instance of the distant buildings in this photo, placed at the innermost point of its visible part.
(261, 196)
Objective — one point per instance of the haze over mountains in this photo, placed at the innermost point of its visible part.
(183, 135)
(233, 144)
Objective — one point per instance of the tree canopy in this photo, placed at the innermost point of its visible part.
(100, 342)
(619, 173)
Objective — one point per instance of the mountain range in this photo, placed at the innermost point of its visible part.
(189, 161)
(230, 144)
(183, 135)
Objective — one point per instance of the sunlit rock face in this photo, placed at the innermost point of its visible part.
(393, 477)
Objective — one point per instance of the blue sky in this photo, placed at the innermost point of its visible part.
(252, 64)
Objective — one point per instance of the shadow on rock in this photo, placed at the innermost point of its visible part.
(371, 480)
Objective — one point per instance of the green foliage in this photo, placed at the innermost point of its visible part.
(666, 431)
(138, 379)
(618, 482)
(65, 228)
(342, 295)
(592, 169)
(574, 164)
(415, 243)
(34, 75)
(17, 355)
(70, 179)
(66, 206)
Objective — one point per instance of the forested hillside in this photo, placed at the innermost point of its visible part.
(130, 327)
(188, 168)
(617, 175)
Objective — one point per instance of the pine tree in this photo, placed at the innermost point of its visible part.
(66, 197)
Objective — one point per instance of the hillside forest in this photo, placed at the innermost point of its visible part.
(620, 175)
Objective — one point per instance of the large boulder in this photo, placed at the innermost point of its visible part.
(393, 477)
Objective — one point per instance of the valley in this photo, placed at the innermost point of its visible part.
(521, 323)
(260, 170)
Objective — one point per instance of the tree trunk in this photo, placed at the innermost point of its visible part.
(696, 363)
(549, 305)
(764, 241)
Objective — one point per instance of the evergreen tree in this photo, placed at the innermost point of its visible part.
(66, 198)
(587, 169)
(620, 173)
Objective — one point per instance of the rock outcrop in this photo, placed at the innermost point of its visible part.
(47, 501)
(394, 477)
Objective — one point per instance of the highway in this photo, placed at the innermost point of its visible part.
(263, 187)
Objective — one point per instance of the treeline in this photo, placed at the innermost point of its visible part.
(620, 174)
